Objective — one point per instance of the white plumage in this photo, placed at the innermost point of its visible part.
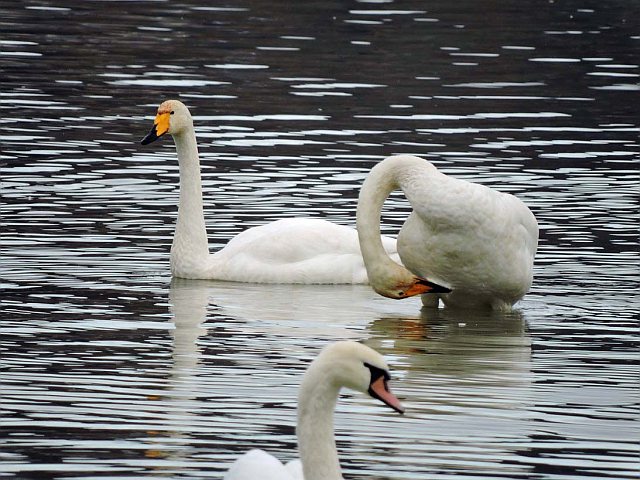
(257, 464)
(477, 241)
(292, 250)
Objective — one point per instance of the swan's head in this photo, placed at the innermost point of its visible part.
(397, 282)
(173, 117)
(355, 366)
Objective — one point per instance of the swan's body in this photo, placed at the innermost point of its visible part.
(341, 364)
(292, 250)
(297, 250)
(477, 241)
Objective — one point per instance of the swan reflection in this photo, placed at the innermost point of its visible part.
(272, 317)
(455, 342)
(285, 313)
(466, 379)
(188, 307)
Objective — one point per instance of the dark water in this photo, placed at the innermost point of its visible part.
(111, 370)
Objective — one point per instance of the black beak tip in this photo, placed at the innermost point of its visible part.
(152, 136)
(440, 289)
(149, 138)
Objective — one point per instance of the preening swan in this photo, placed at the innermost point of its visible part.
(341, 364)
(477, 241)
(299, 250)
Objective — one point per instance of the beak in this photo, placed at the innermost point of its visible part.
(160, 127)
(379, 389)
(422, 285)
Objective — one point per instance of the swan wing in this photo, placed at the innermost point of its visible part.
(258, 465)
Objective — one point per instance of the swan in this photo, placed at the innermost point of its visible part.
(341, 364)
(477, 241)
(295, 250)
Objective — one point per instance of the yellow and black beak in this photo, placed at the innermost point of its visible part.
(160, 127)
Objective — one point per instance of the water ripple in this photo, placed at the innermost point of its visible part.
(113, 369)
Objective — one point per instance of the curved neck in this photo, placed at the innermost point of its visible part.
(383, 178)
(375, 190)
(316, 442)
(190, 245)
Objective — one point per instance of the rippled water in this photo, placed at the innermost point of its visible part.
(113, 370)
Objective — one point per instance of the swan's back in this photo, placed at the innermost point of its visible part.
(259, 465)
(295, 250)
(479, 241)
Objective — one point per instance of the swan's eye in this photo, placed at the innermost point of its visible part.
(401, 294)
(172, 112)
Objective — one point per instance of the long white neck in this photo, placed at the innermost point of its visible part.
(316, 442)
(189, 249)
(385, 177)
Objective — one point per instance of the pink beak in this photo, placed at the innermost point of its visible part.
(380, 390)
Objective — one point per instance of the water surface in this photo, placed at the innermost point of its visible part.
(111, 369)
